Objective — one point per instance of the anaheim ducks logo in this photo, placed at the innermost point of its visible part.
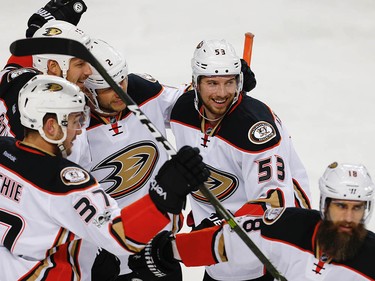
(53, 87)
(261, 132)
(199, 45)
(333, 165)
(220, 183)
(52, 31)
(128, 169)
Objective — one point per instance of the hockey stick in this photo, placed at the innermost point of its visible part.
(33, 46)
(248, 47)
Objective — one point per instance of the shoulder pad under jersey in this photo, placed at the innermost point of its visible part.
(143, 87)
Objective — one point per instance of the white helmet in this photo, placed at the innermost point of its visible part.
(216, 57)
(58, 29)
(113, 62)
(347, 182)
(44, 94)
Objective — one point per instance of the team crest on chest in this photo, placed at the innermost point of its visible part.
(261, 132)
(128, 169)
(74, 176)
(220, 183)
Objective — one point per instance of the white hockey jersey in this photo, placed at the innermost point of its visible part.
(290, 245)
(250, 154)
(286, 236)
(122, 154)
(47, 201)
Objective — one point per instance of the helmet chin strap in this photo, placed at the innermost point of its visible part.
(59, 143)
(62, 150)
(64, 73)
(96, 107)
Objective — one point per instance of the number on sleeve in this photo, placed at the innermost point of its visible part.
(265, 169)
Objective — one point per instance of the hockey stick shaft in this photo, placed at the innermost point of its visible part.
(33, 46)
(248, 47)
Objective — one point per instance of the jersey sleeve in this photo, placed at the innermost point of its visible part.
(81, 153)
(301, 186)
(238, 252)
(302, 193)
(220, 244)
(168, 98)
(93, 215)
(208, 242)
(279, 178)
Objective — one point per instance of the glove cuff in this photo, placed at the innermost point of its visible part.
(150, 262)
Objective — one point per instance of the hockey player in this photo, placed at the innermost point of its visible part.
(47, 200)
(14, 76)
(109, 119)
(122, 154)
(111, 122)
(245, 145)
(125, 167)
(332, 244)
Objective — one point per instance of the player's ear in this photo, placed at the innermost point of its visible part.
(53, 68)
(51, 128)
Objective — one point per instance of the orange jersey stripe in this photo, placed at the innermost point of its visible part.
(142, 220)
(198, 247)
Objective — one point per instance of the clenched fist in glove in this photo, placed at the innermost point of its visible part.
(249, 81)
(65, 10)
(179, 176)
(106, 266)
(155, 260)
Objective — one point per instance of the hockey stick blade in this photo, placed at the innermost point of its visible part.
(63, 46)
(60, 46)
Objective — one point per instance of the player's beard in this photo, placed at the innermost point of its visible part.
(340, 246)
(216, 113)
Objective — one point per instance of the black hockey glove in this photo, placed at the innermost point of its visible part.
(155, 260)
(179, 176)
(106, 267)
(249, 81)
(66, 10)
